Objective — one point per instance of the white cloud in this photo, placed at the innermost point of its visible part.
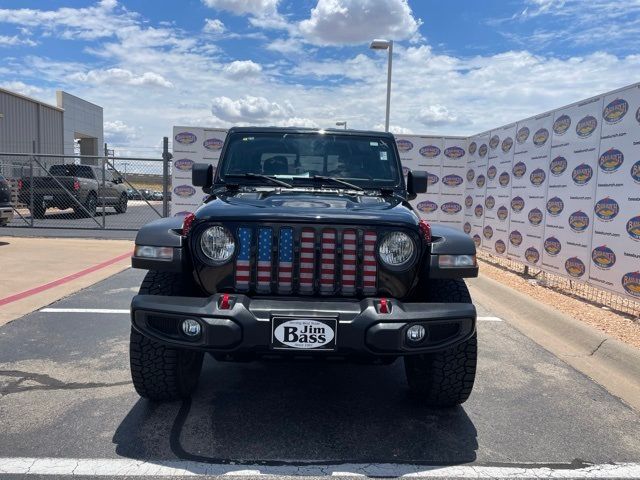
(22, 88)
(114, 76)
(242, 69)
(436, 115)
(241, 7)
(397, 129)
(336, 22)
(213, 26)
(286, 45)
(15, 40)
(250, 109)
(118, 132)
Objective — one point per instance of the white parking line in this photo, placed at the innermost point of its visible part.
(126, 312)
(120, 467)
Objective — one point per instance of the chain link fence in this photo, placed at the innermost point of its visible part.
(85, 192)
(579, 290)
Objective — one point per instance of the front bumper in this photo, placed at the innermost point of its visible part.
(246, 327)
(6, 213)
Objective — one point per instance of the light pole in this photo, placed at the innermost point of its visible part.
(342, 124)
(379, 44)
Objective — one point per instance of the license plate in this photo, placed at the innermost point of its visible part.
(310, 334)
(48, 197)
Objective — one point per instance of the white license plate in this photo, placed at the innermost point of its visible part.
(291, 333)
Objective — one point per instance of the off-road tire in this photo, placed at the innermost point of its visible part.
(159, 372)
(121, 207)
(90, 207)
(445, 378)
(39, 210)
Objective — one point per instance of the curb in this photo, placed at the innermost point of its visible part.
(606, 360)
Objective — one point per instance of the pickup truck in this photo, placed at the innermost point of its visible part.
(6, 210)
(80, 187)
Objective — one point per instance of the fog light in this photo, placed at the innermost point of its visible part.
(416, 333)
(191, 328)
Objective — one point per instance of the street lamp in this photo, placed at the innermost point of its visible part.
(342, 124)
(379, 44)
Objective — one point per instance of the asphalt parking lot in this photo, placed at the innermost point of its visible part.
(65, 394)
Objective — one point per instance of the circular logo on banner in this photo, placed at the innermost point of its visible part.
(404, 145)
(606, 209)
(603, 257)
(451, 208)
(466, 228)
(477, 240)
(184, 191)
(432, 179)
(552, 246)
(487, 232)
(478, 210)
(185, 138)
(532, 255)
(517, 204)
(493, 143)
(635, 172)
(482, 151)
(452, 180)
(470, 174)
(427, 206)
(183, 164)
(633, 228)
(582, 174)
(586, 126)
(555, 206)
(490, 202)
(500, 246)
(562, 124)
(480, 181)
(213, 144)
(473, 146)
(492, 171)
(611, 160)
(537, 177)
(541, 137)
(638, 115)
(558, 166)
(507, 143)
(535, 216)
(503, 179)
(522, 135)
(631, 283)
(515, 238)
(519, 169)
(502, 212)
(578, 221)
(468, 201)
(574, 267)
(454, 152)
(615, 111)
(429, 151)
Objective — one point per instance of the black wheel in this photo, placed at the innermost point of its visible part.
(121, 207)
(162, 373)
(39, 209)
(90, 206)
(444, 379)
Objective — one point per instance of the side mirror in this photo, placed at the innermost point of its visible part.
(416, 183)
(202, 175)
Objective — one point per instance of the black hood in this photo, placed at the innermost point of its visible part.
(308, 207)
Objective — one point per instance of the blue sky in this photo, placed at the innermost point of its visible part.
(460, 67)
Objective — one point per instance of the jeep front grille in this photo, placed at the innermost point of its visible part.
(306, 260)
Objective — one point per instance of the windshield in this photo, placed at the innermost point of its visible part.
(367, 161)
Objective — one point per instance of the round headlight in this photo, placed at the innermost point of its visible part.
(217, 244)
(396, 249)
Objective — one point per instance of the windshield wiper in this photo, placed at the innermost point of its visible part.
(260, 176)
(336, 180)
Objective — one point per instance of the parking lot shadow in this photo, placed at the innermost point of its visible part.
(298, 413)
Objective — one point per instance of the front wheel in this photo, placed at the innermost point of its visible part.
(159, 372)
(445, 378)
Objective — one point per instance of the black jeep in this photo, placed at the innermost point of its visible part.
(306, 247)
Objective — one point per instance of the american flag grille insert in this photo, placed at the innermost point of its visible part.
(312, 261)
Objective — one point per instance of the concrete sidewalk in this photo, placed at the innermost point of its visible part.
(37, 271)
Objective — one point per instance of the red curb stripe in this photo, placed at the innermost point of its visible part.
(63, 280)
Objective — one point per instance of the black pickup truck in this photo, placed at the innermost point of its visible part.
(80, 187)
(306, 248)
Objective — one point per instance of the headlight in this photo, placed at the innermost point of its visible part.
(217, 244)
(456, 261)
(396, 249)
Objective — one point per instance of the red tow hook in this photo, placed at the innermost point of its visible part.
(224, 302)
(385, 306)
